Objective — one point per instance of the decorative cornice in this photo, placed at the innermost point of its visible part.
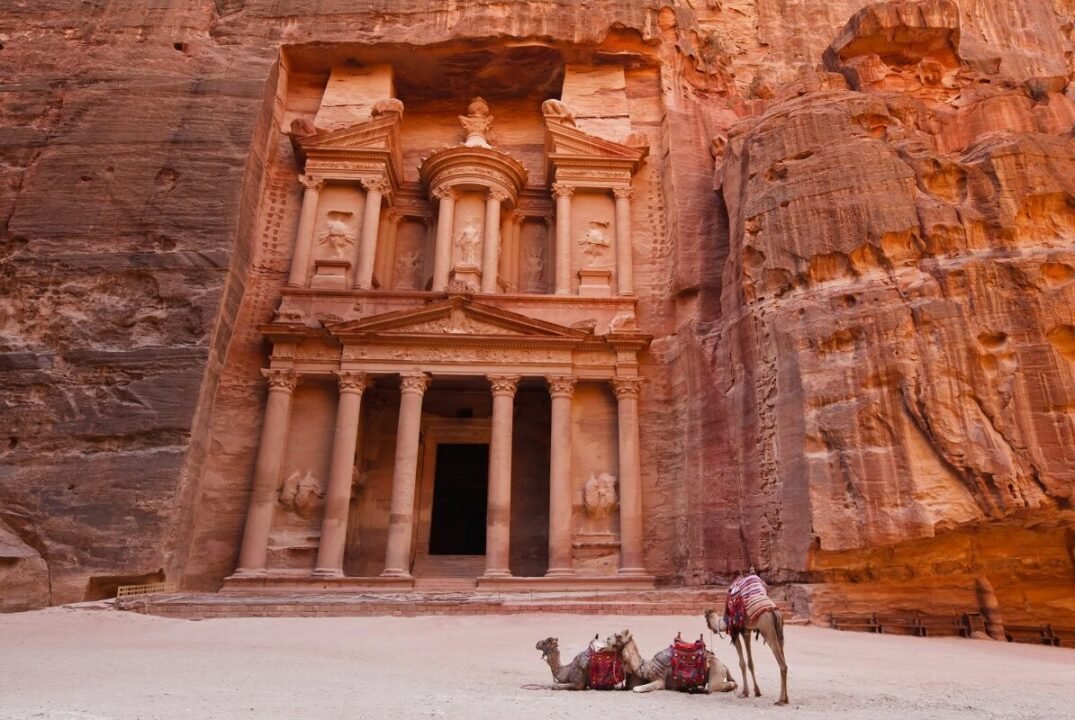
(415, 383)
(281, 379)
(504, 384)
(353, 382)
(561, 385)
(626, 388)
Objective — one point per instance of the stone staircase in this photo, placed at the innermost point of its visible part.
(447, 573)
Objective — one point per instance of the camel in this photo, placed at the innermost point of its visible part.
(656, 674)
(574, 676)
(771, 626)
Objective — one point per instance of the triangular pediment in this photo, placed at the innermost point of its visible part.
(379, 133)
(454, 318)
(564, 140)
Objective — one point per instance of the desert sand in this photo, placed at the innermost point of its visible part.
(77, 664)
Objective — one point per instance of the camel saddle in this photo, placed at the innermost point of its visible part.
(606, 670)
(689, 671)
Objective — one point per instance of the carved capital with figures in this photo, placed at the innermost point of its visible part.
(626, 388)
(561, 385)
(353, 382)
(416, 383)
(504, 384)
(281, 379)
(312, 182)
(622, 193)
(561, 190)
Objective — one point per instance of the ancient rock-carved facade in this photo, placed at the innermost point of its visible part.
(467, 307)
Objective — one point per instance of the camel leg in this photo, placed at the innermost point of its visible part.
(750, 663)
(768, 627)
(657, 684)
(568, 686)
(742, 666)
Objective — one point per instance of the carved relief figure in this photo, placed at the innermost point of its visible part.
(595, 241)
(534, 269)
(407, 270)
(336, 236)
(557, 110)
(301, 494)
(467, 242)
(599, 495)
(477, 123)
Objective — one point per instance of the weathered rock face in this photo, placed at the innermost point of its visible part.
(864, 369)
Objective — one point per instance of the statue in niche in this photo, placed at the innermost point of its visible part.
(599, 495)
(477, 124)
(535, 263)
(594, 241)
(467, 242)
(336, 236)
(301, 495)
(407, 270)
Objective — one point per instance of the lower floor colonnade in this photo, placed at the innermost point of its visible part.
(409, 513)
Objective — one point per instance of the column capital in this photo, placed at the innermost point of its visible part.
(562, 190)
(445, 191)
(627, 387)
(394, 216)
(353, 381)
(281, 378)
(503, 384)
(497, 194)
(415, 383)
(518, 217)
(622, 193)
(561, 385)
(311, 182)
(379, 185)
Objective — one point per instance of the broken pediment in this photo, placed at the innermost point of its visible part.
(582, 159)
(355, 150)
(457, 317)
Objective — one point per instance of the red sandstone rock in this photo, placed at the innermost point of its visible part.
(863, 363)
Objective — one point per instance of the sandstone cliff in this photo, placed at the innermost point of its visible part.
(862, 281)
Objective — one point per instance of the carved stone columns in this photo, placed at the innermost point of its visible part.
(401, 514)
(274, 432)
(625, 284)
(498, 515)
(491, 241)
(367, 244)
(561, 389)
(338, 494)
(304, 239)
(631, 559)
(563, 194)
(442, 253)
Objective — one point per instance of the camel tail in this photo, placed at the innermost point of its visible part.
(780, 627)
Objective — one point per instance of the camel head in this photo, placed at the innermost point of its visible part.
(624, 644)
(548, 646)
(715, 621)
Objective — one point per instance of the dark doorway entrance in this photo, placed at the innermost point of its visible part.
(459, 500)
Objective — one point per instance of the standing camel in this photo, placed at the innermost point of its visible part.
(763, 616)
(574, 676)
(643, 676)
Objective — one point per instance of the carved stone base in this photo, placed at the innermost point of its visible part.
(595, 282)
(468, 275)
(330, 274)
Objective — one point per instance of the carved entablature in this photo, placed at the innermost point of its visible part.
(578, 159)
(366, 152)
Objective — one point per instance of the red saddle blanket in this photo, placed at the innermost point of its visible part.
(606, 670)
(689, 666)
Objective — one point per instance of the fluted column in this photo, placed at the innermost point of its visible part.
(625, 284)
(397, 561)
(491, 241)
(561, 390)
(442, 250)
(631, 558)
(563, 194)
(367, 244)
(274, 431)
(338, 493)
(498, 514)
(304, 239)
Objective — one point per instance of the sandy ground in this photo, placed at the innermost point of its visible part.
(84, 664)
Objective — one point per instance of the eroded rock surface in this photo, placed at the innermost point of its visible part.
(864, 369)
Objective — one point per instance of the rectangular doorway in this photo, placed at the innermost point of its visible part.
(460, 488)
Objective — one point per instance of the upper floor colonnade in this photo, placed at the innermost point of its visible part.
(473, 221)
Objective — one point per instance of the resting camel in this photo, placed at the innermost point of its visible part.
(771, 626)
(574, 676)
(656, 674)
